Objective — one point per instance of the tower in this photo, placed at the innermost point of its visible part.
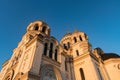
(36, 56)
(39, 56)
(84, 64)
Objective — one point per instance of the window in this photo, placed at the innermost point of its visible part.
(51, 50)
(45, 48)
(43, 29)
(75, 40)
(36, 27)
(86, 37)
(80, 38)
(118, 66)
(68, 44)
(82, 74)
(65, 47)
(55, 56)
(77, 52)
(66, 64)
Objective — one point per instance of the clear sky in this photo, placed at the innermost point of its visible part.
(99, 19)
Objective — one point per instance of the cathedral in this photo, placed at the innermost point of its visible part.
(39, 56)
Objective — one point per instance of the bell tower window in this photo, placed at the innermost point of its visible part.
(66, 64)
(68, 44)
(44, 29)
(45, 48)
(80, 38)
(77, 52)
(75, 40)
(36, 27)
(65, 47)
(55, 56)
(51, 50)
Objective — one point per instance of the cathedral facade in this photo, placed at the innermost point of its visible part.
(40, 56)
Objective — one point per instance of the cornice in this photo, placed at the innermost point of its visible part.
(112, 60)
(51, 61)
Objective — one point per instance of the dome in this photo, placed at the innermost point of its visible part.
(107, 56)
(69, 39)
(39, 26)
(71, 35)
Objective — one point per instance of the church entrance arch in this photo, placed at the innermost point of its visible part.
(49, 72)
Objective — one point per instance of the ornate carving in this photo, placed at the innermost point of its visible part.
(10, 75)
(49, 75)
(26, 58)
(16, 58)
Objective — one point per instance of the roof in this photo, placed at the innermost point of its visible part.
(67, 34)
(70, 33)
(107, 56)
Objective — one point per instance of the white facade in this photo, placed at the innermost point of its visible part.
(40, 56)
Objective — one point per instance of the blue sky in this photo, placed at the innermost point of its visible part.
(99, 19)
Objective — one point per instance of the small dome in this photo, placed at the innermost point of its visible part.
(109, 55)
(39, 26)
(70, 39)
(76, 34)
(36, 23)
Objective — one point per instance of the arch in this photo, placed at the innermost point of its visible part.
(10, 75)
(41, 26)
(80, 38)
(51, 50)
(65, 47)
(44, 29)
(82, 74)
(54, 40)
(45, 48)
(75, 40)
(50, 70)
(56, 54)
(36, 27)
(68, 44)
(77, 53)
(66, 64)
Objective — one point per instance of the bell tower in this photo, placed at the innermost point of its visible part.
(39, 56)
(26, 59)
(76, 45)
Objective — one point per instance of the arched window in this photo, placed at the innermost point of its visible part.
(36, 27)
(66, 64)
(65, 47)
(45, 48)
(86, 37)
(44, 29)
(55, 56)
(75, 40)
(77, 52)
(82, 74)
(68, 44)
(80, 38)
(51, 50)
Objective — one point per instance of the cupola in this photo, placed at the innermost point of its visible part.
(40, 27)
